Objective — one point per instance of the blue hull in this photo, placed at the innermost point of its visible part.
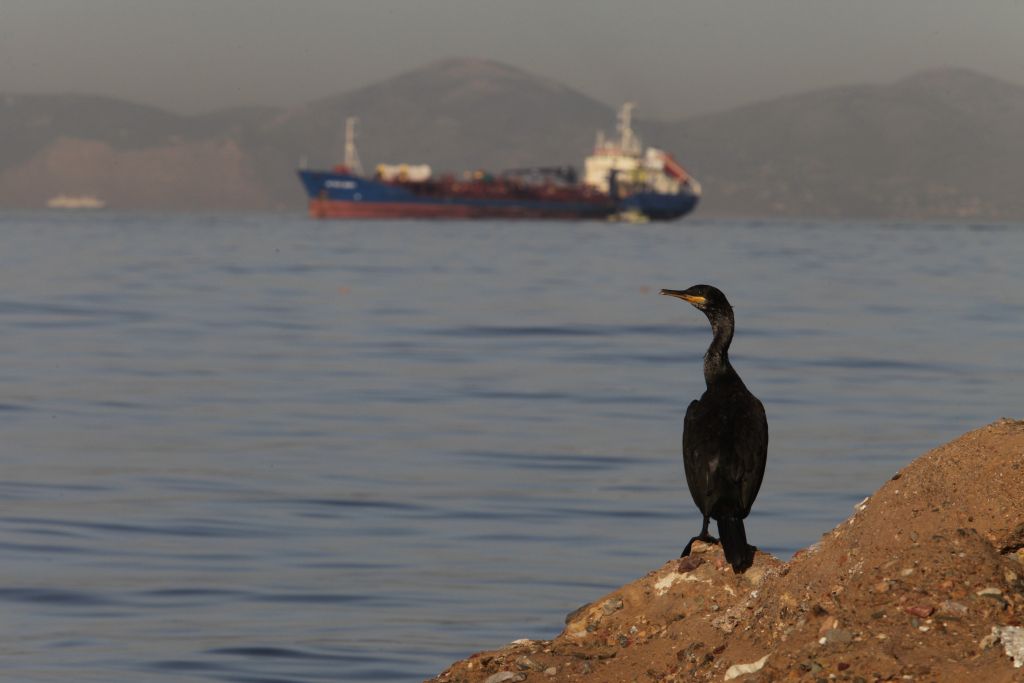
(345, 195)
(660, 207)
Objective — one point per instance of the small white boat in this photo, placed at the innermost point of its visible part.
(81, 201)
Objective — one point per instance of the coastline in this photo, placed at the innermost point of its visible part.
(924, 581)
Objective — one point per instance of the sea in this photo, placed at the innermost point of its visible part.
(260, 448)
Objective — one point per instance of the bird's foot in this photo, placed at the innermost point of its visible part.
(705, 538)
(748, 560)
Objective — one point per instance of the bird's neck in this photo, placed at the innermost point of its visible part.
(716, 360)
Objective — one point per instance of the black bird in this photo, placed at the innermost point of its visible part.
(725, 436)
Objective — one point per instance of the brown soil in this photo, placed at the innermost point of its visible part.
(908, 588)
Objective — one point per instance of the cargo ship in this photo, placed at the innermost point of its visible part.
(621, 180)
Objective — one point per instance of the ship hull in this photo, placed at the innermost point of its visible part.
(344, 195)
(333, 208)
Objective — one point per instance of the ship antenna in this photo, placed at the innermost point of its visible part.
(351, 155)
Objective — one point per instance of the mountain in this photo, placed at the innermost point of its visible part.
(943, 144)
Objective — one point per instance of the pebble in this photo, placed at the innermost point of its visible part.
(1013, 644)
(923, 611)
(726, 622)
(737, 670)
(956, 609)
(503, 676)
(612, 606)
(525, 663)
(551, 671)
(838, 635)
(689, 563)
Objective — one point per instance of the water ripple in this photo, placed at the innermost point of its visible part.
(287, 653)
(550, 461)
(46, 315)
(54, 596)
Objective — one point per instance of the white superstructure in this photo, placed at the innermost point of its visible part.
(653, 170)
(83, 201)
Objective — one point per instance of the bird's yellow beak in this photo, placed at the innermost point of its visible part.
(679, 294)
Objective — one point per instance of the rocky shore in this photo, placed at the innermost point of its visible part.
(924, 582)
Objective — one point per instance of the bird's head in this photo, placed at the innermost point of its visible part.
(705, 297)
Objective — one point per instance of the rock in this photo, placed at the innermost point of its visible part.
(867, 592)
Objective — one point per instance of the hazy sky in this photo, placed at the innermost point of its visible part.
(672, 57)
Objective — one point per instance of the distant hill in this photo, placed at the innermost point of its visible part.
(945, 144)
(130, 155)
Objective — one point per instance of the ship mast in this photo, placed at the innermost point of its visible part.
(628, 142)
(351, 155)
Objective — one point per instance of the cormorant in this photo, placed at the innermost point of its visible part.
(725, 436)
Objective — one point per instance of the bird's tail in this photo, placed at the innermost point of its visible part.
(734, 543)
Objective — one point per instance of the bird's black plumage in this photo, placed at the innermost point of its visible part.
(725, 436)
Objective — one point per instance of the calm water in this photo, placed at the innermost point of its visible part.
(260, 448)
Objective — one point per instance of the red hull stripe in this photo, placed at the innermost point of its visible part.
(325, 208)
